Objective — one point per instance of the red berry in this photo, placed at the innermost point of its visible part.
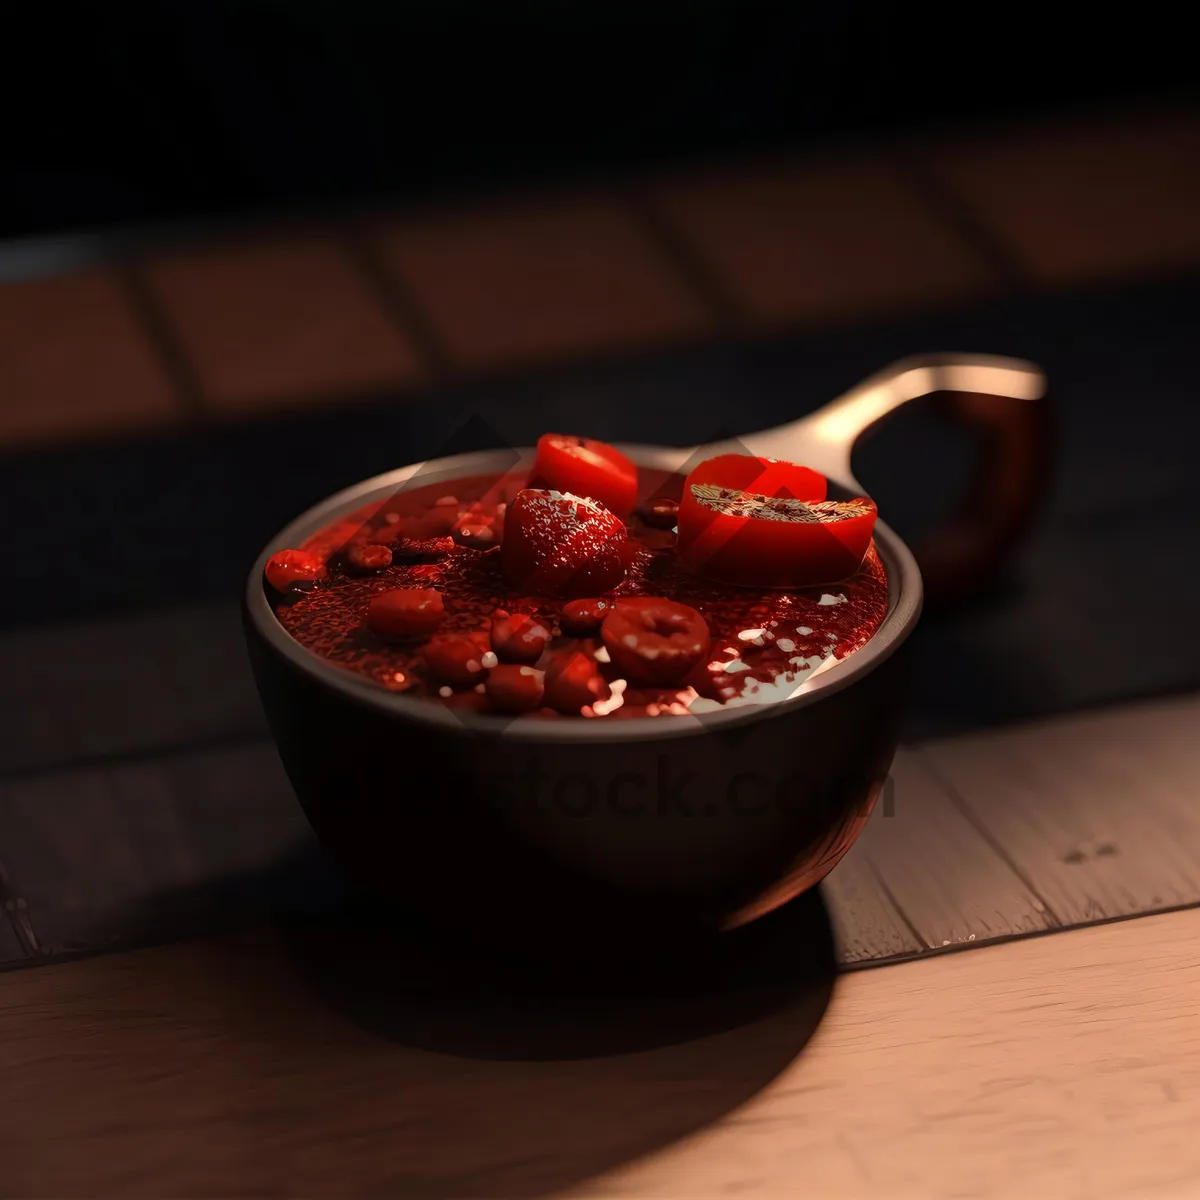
(405, 613)
(459, 659)
(585, 467)
(573, 681)
(519, 638)
(293, 569)
(581, 617)
(661, 513)
(366, 558)
(651, 640)
(514, 688)
(562, 545)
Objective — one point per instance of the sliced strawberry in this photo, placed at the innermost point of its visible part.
(558, 544)
(585, 467)
(775, 529)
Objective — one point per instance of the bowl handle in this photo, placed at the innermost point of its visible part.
(1001, 397)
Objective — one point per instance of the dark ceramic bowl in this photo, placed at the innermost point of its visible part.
(570, 835)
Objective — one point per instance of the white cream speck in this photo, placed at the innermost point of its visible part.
(785, 644)
(601, 655)
(489, 660)
(804, 631)
(445, 692)
(603, 707)
(828, 599)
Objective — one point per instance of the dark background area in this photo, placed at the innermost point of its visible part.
(157, 110)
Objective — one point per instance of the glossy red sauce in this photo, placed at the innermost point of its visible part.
(760, 639)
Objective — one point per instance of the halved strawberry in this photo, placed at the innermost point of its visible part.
(585, 467)
(761, 523)
(558, 544)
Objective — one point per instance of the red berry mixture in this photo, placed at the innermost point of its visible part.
(565, 600)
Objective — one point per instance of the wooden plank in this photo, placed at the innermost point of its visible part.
(213, 1068)
(150, 849)
(815, 243)
(516, 282)
(1064, 1066)
(1101, 812)
(947, 882)
(74, 362)
(125, 685)
(277, 320)
(866, 923)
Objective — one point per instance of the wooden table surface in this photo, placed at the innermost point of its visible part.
(1066, 1065)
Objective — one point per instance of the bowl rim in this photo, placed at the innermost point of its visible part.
(904, 609)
